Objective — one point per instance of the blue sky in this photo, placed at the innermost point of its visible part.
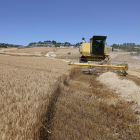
(25, 21)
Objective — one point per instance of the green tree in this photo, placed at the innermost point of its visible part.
(67, 44)
(115, 46)
(54, 42)
(48, 41)
(57, 45)
(39, 42)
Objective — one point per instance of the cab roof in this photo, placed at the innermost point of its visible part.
(98, 37)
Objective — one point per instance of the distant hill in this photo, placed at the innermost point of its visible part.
(4, 45)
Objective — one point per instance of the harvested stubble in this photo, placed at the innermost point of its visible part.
(25, 88)
(82, 112)
(124, 88)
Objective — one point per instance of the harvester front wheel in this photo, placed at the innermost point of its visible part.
(83, 59)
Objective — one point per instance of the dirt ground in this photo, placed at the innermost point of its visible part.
(132, 61)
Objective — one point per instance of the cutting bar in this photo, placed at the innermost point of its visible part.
(122, 67)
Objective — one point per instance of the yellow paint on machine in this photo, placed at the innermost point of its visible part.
(85, 49)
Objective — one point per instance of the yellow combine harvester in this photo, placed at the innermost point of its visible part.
(94, 55)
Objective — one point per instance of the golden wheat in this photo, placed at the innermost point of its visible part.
(25, 86)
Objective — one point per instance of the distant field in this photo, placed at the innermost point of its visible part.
(36, 51)
(40, 51)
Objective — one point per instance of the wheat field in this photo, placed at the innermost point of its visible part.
(35, 51)
(25, 86)
(43, 98)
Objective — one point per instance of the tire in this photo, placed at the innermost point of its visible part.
(83, 59)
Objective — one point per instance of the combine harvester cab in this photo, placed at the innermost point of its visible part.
(94, 56)
(95, 50)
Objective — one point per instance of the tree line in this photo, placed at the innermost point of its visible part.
(128, 47)
(6, 45)
(56, 44)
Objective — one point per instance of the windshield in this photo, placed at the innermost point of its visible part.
(98, 47)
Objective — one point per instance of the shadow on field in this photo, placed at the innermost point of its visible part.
(44, 131)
